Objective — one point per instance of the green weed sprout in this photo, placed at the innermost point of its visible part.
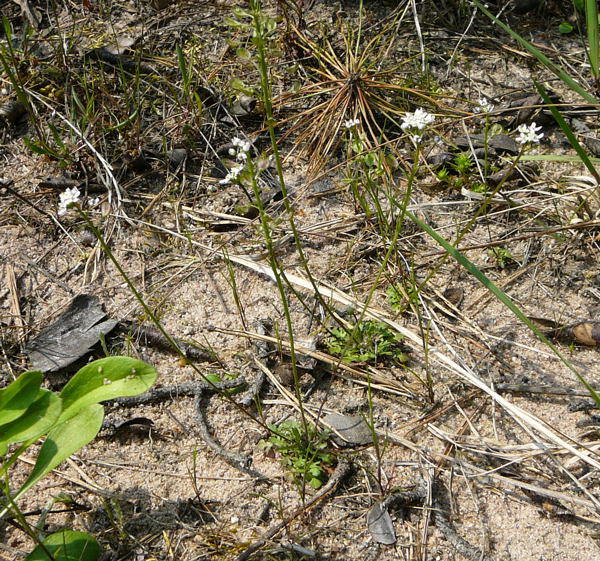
(303, 451)
(502, 256)
(369, 341)
(396, 299)
(67, 421)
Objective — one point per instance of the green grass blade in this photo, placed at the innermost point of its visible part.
(501, 296)
(549, 64)
(568, 132)
(591, 17)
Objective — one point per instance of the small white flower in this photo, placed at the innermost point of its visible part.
(529, 134)
(232, 175)
(484, 106)
(417, 120)
(232, 151)
(242, 156)
(243, 145)
(351, 123)
(416, 138)
(93, 202)
(66, 198)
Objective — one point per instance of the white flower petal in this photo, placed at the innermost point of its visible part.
(417, 120)
(66, 198)
(529, 134)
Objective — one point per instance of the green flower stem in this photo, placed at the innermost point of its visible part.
(106, 249)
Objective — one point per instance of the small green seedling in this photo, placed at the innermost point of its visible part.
(565, 28)
(458, 173)
(303, 452)
(368, 341)
(502, 256)
(462, 163)
(396, 299)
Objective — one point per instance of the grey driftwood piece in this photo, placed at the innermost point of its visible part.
(71, 336)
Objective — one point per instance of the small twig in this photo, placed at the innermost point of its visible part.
(154, 337)
(23, 199)
(170, 392)
(523, 237)
(234, 460)
(341, 471)
(443, 524)
(549, 390)
(262, 350)
(48, 275)
(200, 390)
(15, 309)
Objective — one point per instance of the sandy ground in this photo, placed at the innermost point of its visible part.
(163, 494)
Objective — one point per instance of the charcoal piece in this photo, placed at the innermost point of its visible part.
(380, 525)
(581, 333)
(454, 295)
(593, 145)
(243, 106)
(127, 63)
(499, 142)
(135, 422)
(11, 112)
(176, 157)
(352, 429)
(71, 336)
(439, 160)
(59, 183)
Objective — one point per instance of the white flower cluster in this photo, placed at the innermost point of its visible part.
(351, 123)
(484, 106)
(242, 147)
(417, 120)
(232, 175)
(240, 151)
(66, 198)
(529, 134)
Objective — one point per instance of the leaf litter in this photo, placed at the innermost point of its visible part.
(188, 270)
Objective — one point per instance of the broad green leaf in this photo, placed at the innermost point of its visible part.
(63, 440)
(238, 85)
(67, 545)
(18, 396)
(243, 53)
(565, 27)
(37, 420)
(107, 378)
